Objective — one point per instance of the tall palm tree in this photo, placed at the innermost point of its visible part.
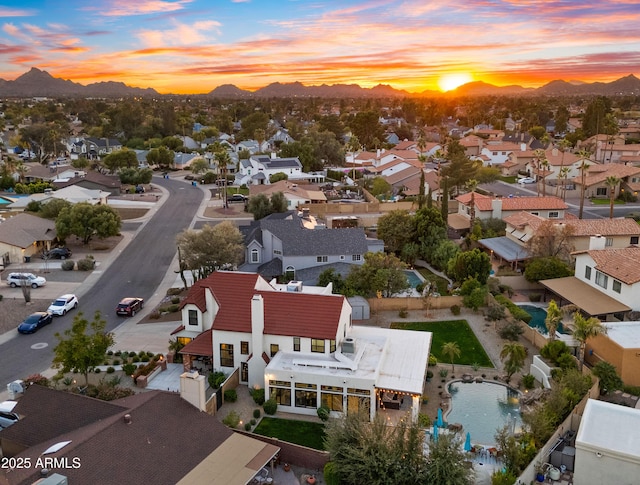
(471, 186)
(544, 163)
(563, 145)
(564, 175)
(554, 317)
(451, 350)
(513, 356)
(612, 183)
(223, 159)
(584, 167)
(584, 329)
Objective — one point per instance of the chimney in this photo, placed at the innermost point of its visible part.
(273, 155)
(597, 242)
(554, 152)
(523, 147)
(496, 208)
(256, 370)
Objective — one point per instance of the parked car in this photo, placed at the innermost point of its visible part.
(129, 306)
(35, 321)
(18, 279)
(7, 416)
(61, 305)
(527, 180)
(56, 253)
(237, 198)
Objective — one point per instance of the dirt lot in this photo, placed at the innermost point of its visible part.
(13, 311)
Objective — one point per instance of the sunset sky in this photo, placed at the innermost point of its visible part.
(193, 46)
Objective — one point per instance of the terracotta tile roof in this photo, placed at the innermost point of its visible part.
(581, 227)
(502, 147)
(405, 145)
(201, 345)
(597, 174)
(554, 157)
(483, 202)
(621, 264)
(522, 219)
(403, 175)
(196, 296)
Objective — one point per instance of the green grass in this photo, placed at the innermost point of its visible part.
(606, 201)
(510, 180)
(440, 282)
(303, 433)
(471, 350)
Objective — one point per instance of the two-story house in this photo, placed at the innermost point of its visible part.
(257, 169)
(300, 346)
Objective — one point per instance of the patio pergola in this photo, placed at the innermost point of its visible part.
(506, 249)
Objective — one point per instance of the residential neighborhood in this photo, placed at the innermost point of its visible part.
(276, 286)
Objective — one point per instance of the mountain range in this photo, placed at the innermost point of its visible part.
(40, 83)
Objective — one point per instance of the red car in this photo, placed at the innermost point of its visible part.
(129, 306)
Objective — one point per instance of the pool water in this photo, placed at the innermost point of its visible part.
(539, 315)
(482, 408)
(413, 277)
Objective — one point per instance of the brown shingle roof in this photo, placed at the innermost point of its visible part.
(23, 230)
(483, 202)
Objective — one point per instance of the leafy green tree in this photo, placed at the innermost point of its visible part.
(278, 202)
(53, 207)
(87, 221)
(260, 206)
(277, 177)
(329, 275)
(476, 298)
(546, 268)
(211, 248)
(367, 128)
(447, 463)
(380, 272)
(452, 351)
(135, 176)
(117, 160)
(584, 329)
(443, 253)
(252, 123)
(460, 168)
(430, 230)
(372, 452)
(198, 166)
(595, 114)
(161, 156)
(553, 319)
(470, 264)
(608, 375)
(379, 186)
(513, 355)
(396, 229)
(80, 350)
(305, 152)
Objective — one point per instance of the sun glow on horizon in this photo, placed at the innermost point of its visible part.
(452, 81)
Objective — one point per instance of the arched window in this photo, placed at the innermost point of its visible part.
(290, 273)
(255, 256)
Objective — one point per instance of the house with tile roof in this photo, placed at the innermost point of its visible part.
(257, 169)
(90, 180)
(300, 345)
(121, 441)
(24, 235)
(281, 245)
(296, 194)
(497, 152)
(597, 174)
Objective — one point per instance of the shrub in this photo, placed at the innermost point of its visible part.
(67, 381)
(230, 395)
(331, 476)
(97, 370)
(424, 420)
(528, 381)
(403, 313)
(511, 331)
(496, 312)
(175, 300)
(155, 315)
(129, 369)
(68, 265)
(132, 354)
(145, 358)
(270, 406)
(253, 422)
(116, 362)
(517, 312)
(455, 309)
(258, 396)
(216, 379)
(173, 308)
(247, 426)
(476, 299)
(135, 359)
(86, 264)
(566, 361)
(323, 413)
(109, 352)
(467, 287)
(256, 413)
(232, 420)
(432, 360)
(174, 291)
(444, 373)
(553, 350)
(110, 370)
(535, 297)
(429, 374)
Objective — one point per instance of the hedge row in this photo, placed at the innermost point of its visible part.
(517, 312)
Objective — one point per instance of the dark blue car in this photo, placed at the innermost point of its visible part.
(35, 321)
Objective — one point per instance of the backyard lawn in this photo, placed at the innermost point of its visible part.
(440, 282)
(303, 433)
(471, 351)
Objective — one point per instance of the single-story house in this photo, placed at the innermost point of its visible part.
(24, 235)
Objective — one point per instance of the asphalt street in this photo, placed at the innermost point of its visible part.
(137, 271)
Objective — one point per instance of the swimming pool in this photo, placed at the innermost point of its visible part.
(538, 316)
(482, 408)
(414, 277)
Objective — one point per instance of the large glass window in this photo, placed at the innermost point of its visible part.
(193, 317)
(608, 242)
(602, 191)
(357, 404)
(617, 286)
(317, 345)
(601, 279)
(226, 355)
(296, 344)
(332, 401)
(282, 395)
(306, 395)
(587, 272)
(244, 348)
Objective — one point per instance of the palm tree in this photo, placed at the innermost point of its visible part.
(564, 175)
(451, 350)
(223, 159)
(564, 144)
(584, 167)
(612, 183)
(584, 329)
(471, 186)
(544, 163)
(554, 317)
(513, 356)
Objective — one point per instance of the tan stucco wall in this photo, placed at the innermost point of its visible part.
(625, 360)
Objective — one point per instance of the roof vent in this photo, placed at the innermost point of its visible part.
(349, 345)
(127, 418)
(294, 286)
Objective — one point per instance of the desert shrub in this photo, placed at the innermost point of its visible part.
(506, 289)
(424, 420)
(116, 362)
(142, 353)
(535, 297)
(155, 315)
(145, 358)
(173, 308)
(433, 360)
(495, 312)
(403, 313)
(68, 265)
(108, 392)
(230, 395)
(511, 331)
(270, 406)
(86, 264)
(129, 369)
(256, 413)
(175, 300)
(444, 373)
(109, 352)
(232, 420)
(174, 291)
(528, 381)
(258, 396)
(553, 350)
(247, 426)
(429, 374)
(566, 361)
(132, 354)
(517, 312)
(97, 370)
(110, 370)
(323, 413)
(253, 422)
(135, 359)
(455, 309)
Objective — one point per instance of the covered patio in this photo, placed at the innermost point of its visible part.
(198, 353)
(506, 250)
(588, 299)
